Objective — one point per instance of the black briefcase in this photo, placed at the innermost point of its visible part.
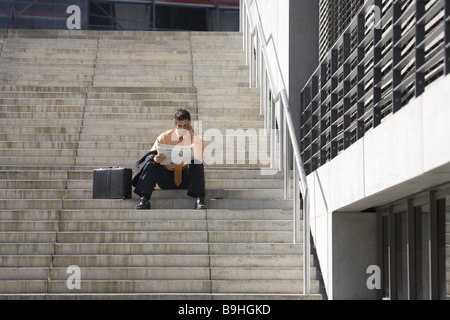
(112, 183)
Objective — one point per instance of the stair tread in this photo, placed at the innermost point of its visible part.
(73, 102)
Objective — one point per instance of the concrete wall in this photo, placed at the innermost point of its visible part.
(407, 153)
(354, 250)
(274, 17)
(303, 51)
(291, 29)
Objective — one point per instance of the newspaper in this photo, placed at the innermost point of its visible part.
(175, 154)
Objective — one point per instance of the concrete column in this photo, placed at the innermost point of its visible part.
(303, 50)
(354, 249)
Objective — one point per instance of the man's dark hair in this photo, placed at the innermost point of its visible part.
(182, 115)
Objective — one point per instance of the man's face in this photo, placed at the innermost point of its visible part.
(182, 126)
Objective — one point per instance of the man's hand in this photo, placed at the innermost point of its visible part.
(159, 158)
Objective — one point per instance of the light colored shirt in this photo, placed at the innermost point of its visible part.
(172, 137)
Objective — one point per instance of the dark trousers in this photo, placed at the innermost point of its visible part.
(153, 173)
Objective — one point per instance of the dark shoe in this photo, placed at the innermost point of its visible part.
(200, 204)
(144, 204)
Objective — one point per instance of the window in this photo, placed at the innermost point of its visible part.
(412, 242)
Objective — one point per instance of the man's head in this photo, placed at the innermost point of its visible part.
(182, 120)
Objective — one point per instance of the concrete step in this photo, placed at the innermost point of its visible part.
(27, 237)
(16, 109)
(153, 237)
(155, 273)
(160, 57)
(40, 129)
(44, 137)
(43, 95)
(135, 273)
(136, 83)
(94, 34)
(159, 261)
(181, 286)
(144, 124)
(143, 216)
(219, 173)
(26, 183)
(119, 158)
(216, 184)
(133, 237)
(165, 248)
(24, 273)
(41, 115)
(166, 108)
(127, 215)
(51, 62)
(75, 78)
(185, 77)
(44, 89)
(39, 161)
(142, 90)
(121, 161)
(25, 261)
(172, 101)
(82, 189)
(138, 72)
(33, 226)
(37, 82)
(59, 122)
(56, 203)
(126, 96)
(38, 144)
(23, 71)
(58, 55)
(152, 117)
(172, 203)
(26, 249)
(229, 193)
(63, 153)
(161, 296)
(154, 225)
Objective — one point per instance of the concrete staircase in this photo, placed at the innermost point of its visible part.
(72, 101)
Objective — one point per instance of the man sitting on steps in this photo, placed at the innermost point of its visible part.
(191, 176)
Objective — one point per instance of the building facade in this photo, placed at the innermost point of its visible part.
(374, 132)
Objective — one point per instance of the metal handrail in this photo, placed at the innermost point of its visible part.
(287, 137)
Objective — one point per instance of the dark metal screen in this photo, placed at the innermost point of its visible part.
(335, 16)
(387, 55)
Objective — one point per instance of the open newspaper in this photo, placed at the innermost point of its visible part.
(175, 154)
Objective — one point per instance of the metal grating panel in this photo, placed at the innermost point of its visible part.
(386, 56)
(334, 17)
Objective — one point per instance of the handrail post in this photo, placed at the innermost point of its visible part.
(296, 204)
(281, 140)
(285, 158)
(306, 245)
(273, 134)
